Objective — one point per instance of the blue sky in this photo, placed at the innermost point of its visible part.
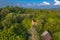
(31, 3)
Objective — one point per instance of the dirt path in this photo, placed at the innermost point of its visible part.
(34, 34)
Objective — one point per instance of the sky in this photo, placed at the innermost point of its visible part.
(31, 3)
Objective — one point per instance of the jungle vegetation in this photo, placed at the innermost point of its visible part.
(15, 22)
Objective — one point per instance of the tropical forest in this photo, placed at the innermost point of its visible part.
(16, 23)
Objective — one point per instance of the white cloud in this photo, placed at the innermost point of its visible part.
(45, 3)
(34, 3)
(28, 4)
(23, 5)
(39, 4)
(56, 2)
(17, 4)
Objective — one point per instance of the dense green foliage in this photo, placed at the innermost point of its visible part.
(15, 22)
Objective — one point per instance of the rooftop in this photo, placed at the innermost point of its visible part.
(44, 33)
